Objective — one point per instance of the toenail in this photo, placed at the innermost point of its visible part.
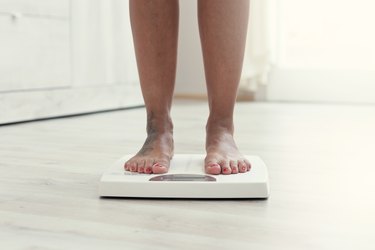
(225, 170)
(133, 168)
(243, 168)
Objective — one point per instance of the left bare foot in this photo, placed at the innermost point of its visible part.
(223, 156)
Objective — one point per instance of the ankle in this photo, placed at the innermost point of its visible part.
(159, 125)
(219, 125)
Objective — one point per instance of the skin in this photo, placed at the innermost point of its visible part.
(222, 27)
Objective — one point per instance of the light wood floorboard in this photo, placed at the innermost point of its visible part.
(320, 160)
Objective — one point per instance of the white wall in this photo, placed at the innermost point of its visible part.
(65, 57)
(190, 72)
(102, 45)
(325, 52)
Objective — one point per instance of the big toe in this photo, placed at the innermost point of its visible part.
(212, 168)
(160, 167)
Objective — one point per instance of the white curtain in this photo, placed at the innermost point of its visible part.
(258, 52)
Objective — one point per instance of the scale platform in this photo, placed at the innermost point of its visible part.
(186, 179)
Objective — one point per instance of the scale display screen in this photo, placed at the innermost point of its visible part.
(183, 177)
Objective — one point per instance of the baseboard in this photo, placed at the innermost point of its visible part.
(25, 106)
(181, 96)
(314, 85)
(242, 96)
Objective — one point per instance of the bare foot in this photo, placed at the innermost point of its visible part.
(223, 156)
(155, 154)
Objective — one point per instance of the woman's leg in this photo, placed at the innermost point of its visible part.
(223, 28)
(155, 30)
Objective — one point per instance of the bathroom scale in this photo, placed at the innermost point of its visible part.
(185, 179)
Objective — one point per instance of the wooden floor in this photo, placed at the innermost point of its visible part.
(321, 166)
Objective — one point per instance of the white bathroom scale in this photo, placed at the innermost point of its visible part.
(186, 179)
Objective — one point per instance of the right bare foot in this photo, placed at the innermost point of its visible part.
(155, 154)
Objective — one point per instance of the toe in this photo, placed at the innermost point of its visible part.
(148, 166)
(248, 165)
(127, 166)
(234, 166)
(141, 166)
(160, 167)
(212, 168)
(225, 168)
(133, 166)
(242, 167)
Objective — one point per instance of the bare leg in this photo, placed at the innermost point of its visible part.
(155, 31)
(223, 28)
